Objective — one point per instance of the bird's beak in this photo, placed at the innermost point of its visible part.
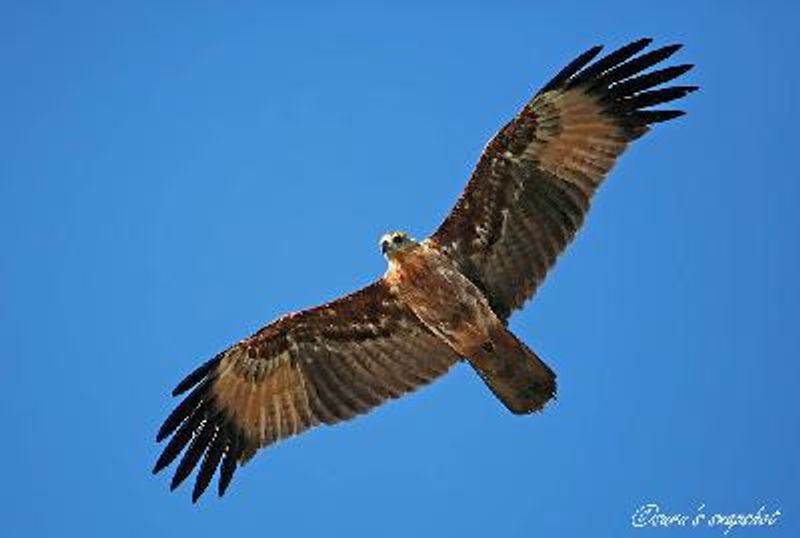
(384, 247)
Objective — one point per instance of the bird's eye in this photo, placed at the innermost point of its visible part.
(397, 239)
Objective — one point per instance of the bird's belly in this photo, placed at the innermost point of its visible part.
(449, 304)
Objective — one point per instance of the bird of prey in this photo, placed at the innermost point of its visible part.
(441, 300)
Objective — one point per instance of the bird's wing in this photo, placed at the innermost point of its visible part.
(533, 184)
(322, 365)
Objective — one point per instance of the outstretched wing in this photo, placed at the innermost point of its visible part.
(322, 365)
(534, 181)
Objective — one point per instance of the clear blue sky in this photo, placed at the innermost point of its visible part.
(175, 175)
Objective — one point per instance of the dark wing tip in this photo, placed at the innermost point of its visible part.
(208, 439)
(203, 432)
(625, 86)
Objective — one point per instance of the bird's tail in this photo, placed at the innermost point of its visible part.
(514, 373)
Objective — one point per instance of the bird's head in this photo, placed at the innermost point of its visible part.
(394, 242)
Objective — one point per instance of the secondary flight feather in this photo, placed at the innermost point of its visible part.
(443, 299)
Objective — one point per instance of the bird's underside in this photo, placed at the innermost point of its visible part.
(443, 299)
(457, 312)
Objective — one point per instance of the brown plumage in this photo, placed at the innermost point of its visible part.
(442, 299)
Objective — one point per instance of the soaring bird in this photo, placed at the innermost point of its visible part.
(444, 299)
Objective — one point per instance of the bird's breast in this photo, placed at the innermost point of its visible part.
(441, 297)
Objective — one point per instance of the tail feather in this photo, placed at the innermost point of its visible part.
(514, 373)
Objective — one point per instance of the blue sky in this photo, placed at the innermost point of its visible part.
(176, 175)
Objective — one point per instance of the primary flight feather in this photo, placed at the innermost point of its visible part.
(442, 299)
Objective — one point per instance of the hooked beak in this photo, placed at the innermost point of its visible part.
(384, 247)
